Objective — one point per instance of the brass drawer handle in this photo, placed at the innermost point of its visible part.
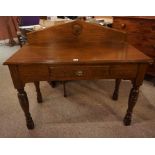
(79, 73)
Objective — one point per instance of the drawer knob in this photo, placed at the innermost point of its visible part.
(123, 26)
(79, 73)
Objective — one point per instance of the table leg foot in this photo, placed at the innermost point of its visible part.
(23, 100)
(116, 91)
(115, 96)
(39, 96)
(131, 103)
(29, 122)
(127, 120)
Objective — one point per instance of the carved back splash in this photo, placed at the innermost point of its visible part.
(79, 32)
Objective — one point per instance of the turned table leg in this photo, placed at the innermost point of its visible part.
(52, 83)
(39, 96)
(154, 81)
(131, 103)
(22, 96)
(64, 86)
(116, 90)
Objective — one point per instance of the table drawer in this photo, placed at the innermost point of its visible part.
(78, 72)
(93, 72)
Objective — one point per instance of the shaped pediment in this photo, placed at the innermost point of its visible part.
(77, 31)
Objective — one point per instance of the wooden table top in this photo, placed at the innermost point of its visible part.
(87, 42)
(56, 53)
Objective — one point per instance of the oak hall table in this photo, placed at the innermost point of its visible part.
(77, 51)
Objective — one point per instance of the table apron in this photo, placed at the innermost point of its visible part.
(30, 73)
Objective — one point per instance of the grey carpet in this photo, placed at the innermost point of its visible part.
(88, 111)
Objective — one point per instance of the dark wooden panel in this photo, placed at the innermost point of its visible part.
(140, 33)
(126, 26)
